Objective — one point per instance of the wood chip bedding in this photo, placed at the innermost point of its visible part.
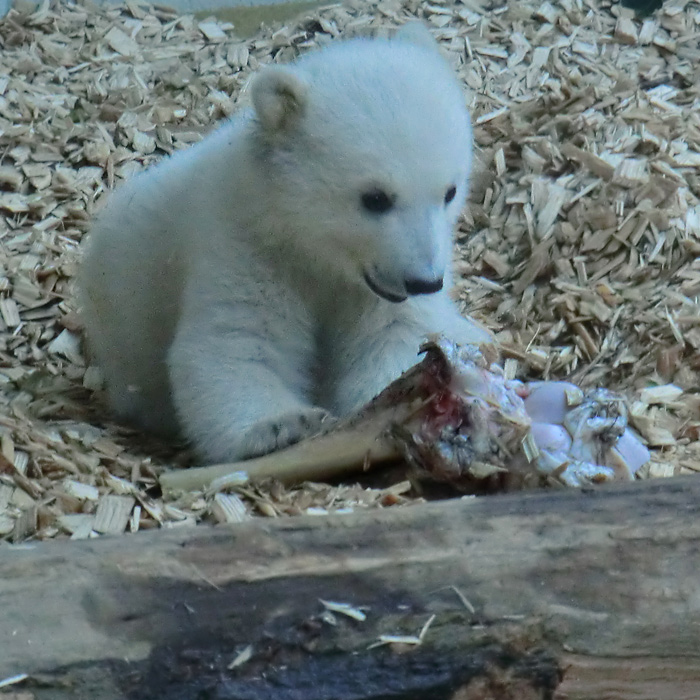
(579, 248)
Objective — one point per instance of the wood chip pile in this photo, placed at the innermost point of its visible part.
(579, 247)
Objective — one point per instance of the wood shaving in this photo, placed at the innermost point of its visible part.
(580, 246)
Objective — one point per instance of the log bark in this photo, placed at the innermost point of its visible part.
(561, 594)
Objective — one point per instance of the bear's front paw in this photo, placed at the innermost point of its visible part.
(467, 330)
(275, 433)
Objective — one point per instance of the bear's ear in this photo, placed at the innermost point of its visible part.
(415, 32)
(279, 98)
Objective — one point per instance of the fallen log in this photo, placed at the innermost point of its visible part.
(563, 594)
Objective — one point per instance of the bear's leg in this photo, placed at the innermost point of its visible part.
(385, 343)
(238, 397)
(126, 343)
(144, 404)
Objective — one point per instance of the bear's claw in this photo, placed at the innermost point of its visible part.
(281, 431)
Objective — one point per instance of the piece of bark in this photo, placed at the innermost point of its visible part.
(597, 586)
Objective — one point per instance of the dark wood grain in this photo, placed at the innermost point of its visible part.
(572, 592)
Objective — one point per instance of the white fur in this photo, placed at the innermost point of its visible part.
(223, 290)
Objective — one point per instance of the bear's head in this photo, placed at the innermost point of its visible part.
(366, 146)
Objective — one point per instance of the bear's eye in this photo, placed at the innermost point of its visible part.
(377, 201)
(450, 194)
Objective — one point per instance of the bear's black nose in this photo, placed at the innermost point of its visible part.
(417, 286)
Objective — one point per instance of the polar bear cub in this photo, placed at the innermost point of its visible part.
(289, 265)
